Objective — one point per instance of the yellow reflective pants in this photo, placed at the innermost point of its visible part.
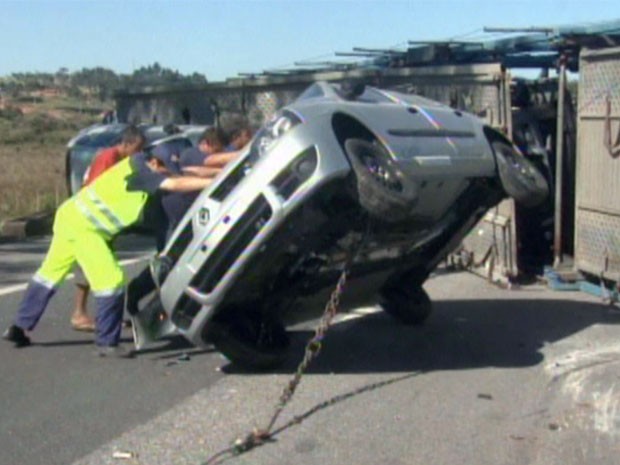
(77, 240)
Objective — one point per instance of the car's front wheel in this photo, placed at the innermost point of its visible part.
(248, 338)
(383, 190)
(409, 305)
(520, 178)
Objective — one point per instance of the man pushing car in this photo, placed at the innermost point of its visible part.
(83, 227)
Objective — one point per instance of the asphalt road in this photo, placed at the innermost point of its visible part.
(57, 400)
(524, 376)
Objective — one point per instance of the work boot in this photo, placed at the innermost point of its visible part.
(17, 336)
(113, 352)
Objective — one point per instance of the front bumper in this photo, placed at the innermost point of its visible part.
(226, 226)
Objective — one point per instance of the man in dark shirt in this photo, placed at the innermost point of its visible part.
(192, 161)
(174, 205)
(239, 137)
(212, 141)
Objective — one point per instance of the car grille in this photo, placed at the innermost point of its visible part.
(229, 250)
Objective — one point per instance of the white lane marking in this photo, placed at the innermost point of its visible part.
(20, 287)
(14, 288)
(357, 313)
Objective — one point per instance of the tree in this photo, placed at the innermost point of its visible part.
(98, 81)
(62, 78)
(155, 74)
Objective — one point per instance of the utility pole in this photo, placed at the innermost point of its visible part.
(559, 165)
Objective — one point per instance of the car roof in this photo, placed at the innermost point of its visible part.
(107, 135)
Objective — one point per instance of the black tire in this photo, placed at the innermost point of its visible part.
(383, 190)
(520, 179)
(408, 305)
(248, 340)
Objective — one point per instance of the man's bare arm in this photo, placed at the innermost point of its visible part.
(202, 171)
(221, 159)
(184, 184)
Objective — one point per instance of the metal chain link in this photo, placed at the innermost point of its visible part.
(260, 436)
(313, 347)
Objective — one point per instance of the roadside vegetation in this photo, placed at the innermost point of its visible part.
(33, 137)
(40, 113)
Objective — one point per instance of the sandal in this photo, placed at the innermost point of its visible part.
(83, 325)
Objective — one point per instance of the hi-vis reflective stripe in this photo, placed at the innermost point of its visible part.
(44, 282)
(93, 219)
(103, 208)
(109, 293)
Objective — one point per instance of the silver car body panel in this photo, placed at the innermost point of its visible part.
(438, 147)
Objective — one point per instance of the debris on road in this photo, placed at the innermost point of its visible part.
(123, 455)
(184, 357)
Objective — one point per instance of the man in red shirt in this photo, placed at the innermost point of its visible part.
(132, 141)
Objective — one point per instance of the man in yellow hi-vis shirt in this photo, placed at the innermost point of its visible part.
(83, 227)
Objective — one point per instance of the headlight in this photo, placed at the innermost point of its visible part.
(279, 125)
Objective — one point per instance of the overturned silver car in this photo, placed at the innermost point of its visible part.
(393, 180)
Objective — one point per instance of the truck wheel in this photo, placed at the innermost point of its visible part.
(383, 190)
(248, 339)
(408, 305)
(519, 177)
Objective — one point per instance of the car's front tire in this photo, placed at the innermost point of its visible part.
(383, 190)
(520, 178)
(409, 305)
(248, 339)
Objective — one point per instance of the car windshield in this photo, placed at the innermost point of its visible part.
(180, 144)
(153, 134)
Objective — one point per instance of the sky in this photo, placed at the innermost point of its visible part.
(221, 39)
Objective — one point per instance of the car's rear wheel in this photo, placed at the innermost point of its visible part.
(248, 338)
(383, 190)
(409, 305)
(519, 176)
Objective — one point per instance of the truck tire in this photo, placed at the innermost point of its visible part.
(383, 190)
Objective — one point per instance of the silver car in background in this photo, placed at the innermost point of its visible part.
(394, 180)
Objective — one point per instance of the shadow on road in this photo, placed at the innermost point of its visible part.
(173, 348)
(459, 335)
